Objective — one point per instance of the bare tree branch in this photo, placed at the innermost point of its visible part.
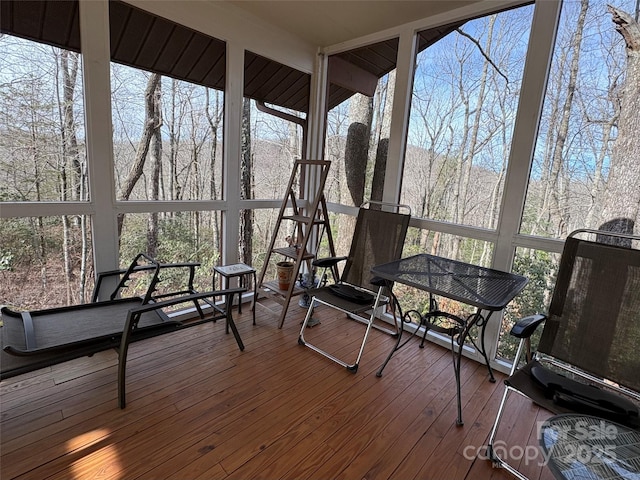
(477, 44)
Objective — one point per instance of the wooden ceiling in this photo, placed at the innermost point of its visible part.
(143, 40)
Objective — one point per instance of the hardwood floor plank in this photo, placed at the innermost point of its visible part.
(379, 457)
(263, 407)
(440, 421)
(533, 458)
(328, 413)
(449, 458)
(345, 451)
(198, 408)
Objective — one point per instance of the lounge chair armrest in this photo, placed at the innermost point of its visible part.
(110, 273)
(525, 327)
(187, 298)
(180, 265)
(327, 262)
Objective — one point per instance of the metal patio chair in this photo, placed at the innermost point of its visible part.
(378, 238)
(587, 360)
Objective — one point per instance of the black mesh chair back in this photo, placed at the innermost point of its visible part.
(594, 317)
(378, 238)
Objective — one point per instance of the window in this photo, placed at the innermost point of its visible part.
(167, 102)
(46, 261)
(167, 137)
(274, 125)
(358, 121)
(361, 82)
(42, 152)
(464, 101)
(585, 170)
(356, 143)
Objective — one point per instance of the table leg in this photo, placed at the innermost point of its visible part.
(458, 335)
(481, 322)
(230, 323)
(457, 360)
(224, 285)
(395, 306)
(255, 296)
(241, 283)
(395, 348)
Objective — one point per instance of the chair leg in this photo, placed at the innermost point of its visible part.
(353, 368)
(492, 452)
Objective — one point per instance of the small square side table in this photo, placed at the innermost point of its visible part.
(243, 272)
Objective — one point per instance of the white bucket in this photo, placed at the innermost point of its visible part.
(285, 274)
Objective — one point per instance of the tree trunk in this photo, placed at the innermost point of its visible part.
(356, 155)
(69, 64)
(357, 146)
(554, 187)
(143, 145)
(174, 140)
(597, 188)
(622, 197)
(156, 163)
(214, 125)
(468, 154)
(71, 184)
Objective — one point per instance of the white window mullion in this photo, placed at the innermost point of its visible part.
(96, 58)
(525, 131)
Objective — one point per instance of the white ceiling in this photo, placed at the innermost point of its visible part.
(329, 22)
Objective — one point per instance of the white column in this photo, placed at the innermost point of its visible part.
(316, 124)
(400, 116)
(234, 89)
(96, 58)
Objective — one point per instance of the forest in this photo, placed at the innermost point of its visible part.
(168, 141)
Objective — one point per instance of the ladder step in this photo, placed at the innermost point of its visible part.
(292, 252)
(270, 289)
(304, 219)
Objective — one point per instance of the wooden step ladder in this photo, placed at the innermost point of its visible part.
(307, 219)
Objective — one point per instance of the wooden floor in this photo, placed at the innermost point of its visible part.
(198, 408)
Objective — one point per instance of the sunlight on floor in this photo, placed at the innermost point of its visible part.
(86, 440)
(93, 447)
